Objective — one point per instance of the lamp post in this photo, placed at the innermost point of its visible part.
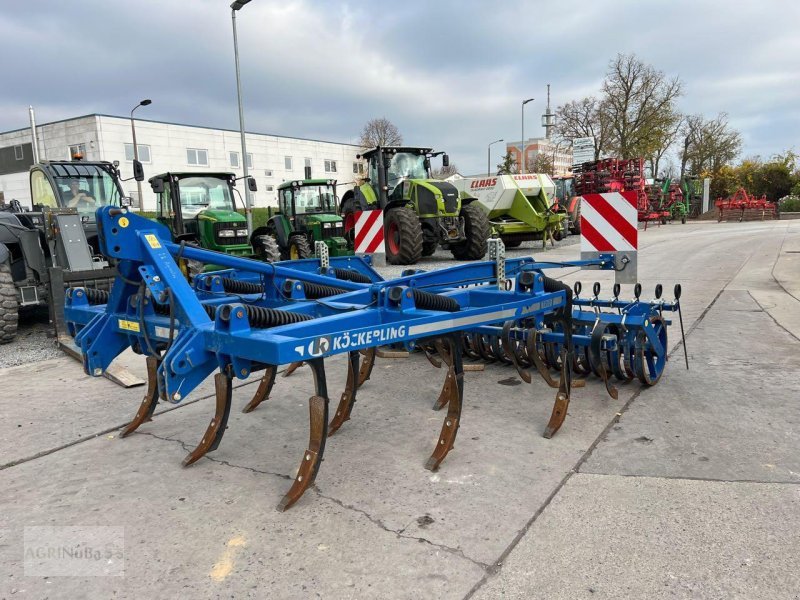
(489, 157)
(145, 102)
(248, 199)
(522, 161)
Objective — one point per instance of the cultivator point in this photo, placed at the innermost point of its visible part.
(253, 317)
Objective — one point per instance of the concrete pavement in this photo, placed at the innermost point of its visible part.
(697, 474)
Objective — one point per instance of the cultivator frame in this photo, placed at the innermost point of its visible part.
(253, 317)
(742, 206)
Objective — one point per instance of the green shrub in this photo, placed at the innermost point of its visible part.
(790, 204)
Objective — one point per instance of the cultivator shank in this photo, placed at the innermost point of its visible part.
(252, 317)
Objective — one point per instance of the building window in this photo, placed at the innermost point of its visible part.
(197, 157)
(330, 166)
(268, 173)
(287, 163)
(77, 149)
(234, 159)
(269, 188)
(249, 161)
(144, 152)
(18, 152)
(358, 168)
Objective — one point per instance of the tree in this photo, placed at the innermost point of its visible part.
(543, 164)
(639, 103)
(583, 118)
(380, 132)
(444, 172)
(708, 144)
(508, 166)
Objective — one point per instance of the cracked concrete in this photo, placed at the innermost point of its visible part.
(627, 500)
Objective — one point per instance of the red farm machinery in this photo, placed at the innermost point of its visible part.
(742, 206)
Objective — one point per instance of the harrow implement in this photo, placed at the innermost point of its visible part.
(252, 317)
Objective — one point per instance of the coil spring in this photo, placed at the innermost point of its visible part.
(316, 290)
(351, 275)
(236, 286)
(262, 317)
(95, 296)
(430, 301)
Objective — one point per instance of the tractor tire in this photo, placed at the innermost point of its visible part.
(476, 230)
(299, 248)
(512, 243)
(403, 236)
(429, 246)
(9, 307)
(266, 248)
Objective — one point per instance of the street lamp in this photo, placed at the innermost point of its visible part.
(145, 102)
(522, 162)
(248, 199)
(489, 157)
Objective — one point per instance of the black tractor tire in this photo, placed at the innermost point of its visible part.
(429, 247)
(558, 234)
(9, 307)
(512, 243)
(403, 236)
(477, 230)
(299, 248)
(266, 248)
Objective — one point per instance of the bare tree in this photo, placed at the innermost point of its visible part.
(583, 118)
(380, 132)
(444, 172)
(708, 144)
(542, 164)
(663, 138)
(639, 102)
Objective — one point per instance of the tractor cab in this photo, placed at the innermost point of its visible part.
(308, 214)
(84, 186)
(201, 208)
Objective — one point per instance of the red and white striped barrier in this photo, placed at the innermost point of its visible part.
(609, 222)
(369, 232)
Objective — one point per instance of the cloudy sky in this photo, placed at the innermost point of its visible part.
(450, 74)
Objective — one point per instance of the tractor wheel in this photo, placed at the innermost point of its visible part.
(403, 236)
(299, 248)
(558, 234)
(266, 248)
(512, 243)
(9, 308)
(429, 246)
(476, 230)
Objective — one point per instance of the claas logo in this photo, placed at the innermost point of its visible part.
(482, 183)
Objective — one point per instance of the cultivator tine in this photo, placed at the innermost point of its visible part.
(561, 403)
(150, 400)
(449, 381)
(533, 354)
(429, 355)
(680, 318)
(264, 389)
(511, 350)
(223, 387)
(366, 365)
(455, 390)
(292, 368)
(348, 396)
(318, 433)
(596, 356)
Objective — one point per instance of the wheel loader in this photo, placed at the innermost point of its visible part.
(420, 213)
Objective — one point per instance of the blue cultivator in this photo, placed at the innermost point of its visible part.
(253, 317)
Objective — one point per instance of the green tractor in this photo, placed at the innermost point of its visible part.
(199, 208)
(420, 213)
(307, 214)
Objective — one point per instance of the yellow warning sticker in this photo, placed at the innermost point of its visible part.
(123, 222)
(129, 325)
(152, 240)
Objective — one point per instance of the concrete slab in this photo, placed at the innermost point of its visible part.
(622, 537)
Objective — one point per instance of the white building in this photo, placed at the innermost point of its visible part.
(272, 159)
(561, 155)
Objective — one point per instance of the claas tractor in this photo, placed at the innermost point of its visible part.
(420, 213)
(199, 208)
(307, 214)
